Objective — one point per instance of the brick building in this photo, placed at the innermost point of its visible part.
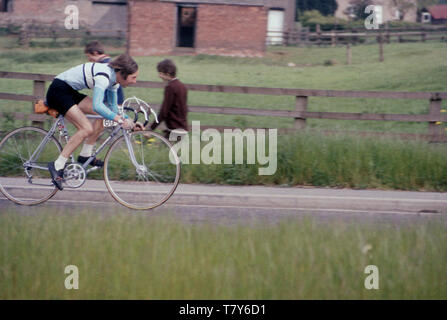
(110, 14)
(436, 14)
(218, 27)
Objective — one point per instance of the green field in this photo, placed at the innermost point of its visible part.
(127, 256)
(407, 67)
(304, 158)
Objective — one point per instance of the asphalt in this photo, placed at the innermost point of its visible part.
(262, 197)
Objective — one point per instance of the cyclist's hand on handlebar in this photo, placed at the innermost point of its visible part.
(128, 124)
(138, 126)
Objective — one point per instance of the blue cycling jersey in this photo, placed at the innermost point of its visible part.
(120, 89)
(99, 77)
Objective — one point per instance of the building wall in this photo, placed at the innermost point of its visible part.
(106, 16)
(220, 29)
(288, 6)
(97, 16)
(389, 11)
(40, 11)
(151, 28)
(231, 30)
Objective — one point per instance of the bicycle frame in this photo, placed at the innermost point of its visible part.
(59, 125)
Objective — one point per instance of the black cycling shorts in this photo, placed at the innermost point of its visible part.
(61, 96)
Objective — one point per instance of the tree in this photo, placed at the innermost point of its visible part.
(326, 7)
(356, 8)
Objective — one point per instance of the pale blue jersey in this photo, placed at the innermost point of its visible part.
(99, 77)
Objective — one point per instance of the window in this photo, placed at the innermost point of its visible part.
(186, 25)
(6, 6)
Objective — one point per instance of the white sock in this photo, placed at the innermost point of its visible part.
(60, 162)
(87, 150)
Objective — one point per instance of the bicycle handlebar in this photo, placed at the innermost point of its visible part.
(142, 106)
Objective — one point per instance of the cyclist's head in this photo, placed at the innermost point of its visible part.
(126, 69)
(94, 51)
(167, 67)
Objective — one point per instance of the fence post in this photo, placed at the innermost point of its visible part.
(381, 47)
(434, 130)
(423, 36)
(300, 106)
(348, 52)
(333, 38)
(318, 29)
(387, 33)
(23, 36)
(39, 93)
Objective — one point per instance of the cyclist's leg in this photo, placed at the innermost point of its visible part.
(80, 121)
(85, 129)
(86, 106)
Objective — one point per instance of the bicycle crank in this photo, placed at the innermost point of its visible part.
(74, 175)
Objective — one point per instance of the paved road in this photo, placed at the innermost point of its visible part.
(203, 202)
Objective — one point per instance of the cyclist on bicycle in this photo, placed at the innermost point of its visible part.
(63, 96)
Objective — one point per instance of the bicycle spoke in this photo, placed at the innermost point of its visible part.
(14, 147)
(150, 188)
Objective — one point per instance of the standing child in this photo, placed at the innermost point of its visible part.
(174, 109)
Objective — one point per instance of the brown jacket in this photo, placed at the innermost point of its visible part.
(174, 109)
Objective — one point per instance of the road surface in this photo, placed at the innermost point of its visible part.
(213, 202)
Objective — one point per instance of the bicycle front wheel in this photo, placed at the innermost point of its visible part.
(142, 172)
(24, 180)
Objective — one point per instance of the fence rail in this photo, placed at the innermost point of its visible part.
(300, 113)
(303, 36)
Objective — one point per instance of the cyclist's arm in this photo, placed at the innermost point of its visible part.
(113, 100)
(100, 108)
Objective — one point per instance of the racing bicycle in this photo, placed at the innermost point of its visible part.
(141, 168)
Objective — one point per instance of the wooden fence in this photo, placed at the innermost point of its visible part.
(303, 36)
(32, 32)
(300, 113)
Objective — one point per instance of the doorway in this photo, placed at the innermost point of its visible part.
(186, 22)
(275, 27)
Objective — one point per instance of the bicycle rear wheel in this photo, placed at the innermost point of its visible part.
(152, 181)
(22, 181)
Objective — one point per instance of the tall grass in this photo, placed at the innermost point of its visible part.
(121, 256)
(337, 161)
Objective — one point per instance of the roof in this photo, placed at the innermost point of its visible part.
(230, 2)
(439, 11)
(286, 4)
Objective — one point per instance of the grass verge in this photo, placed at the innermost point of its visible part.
(121, 256)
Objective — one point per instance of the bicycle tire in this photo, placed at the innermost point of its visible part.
(142, 190)
(26, 191)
